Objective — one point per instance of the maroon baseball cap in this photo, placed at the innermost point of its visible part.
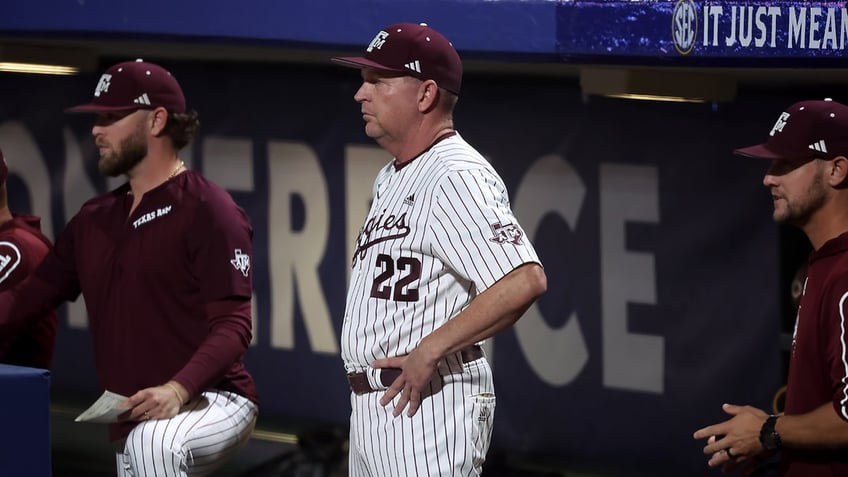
(134, 85)
(411, 49)
(4, 169)
(806, 130)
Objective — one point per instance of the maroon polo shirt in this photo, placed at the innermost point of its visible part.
(818, 368)
(167, 288)
(22, 247)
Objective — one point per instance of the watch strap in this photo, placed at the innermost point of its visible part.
(769, 437)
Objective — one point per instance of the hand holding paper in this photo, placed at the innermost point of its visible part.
(105, 410)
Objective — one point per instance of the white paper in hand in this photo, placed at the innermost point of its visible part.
(104, 410)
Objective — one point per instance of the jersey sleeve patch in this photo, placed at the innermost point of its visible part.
(509, 233)
(10, 258)
(241, 262)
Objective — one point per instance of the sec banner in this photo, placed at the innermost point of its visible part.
(722, 32)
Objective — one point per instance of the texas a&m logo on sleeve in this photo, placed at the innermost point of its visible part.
(241, 262)
(10, 258)
(509, 233)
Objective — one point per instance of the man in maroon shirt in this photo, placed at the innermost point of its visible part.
(808, 179)
(163, 264)
(22, 247)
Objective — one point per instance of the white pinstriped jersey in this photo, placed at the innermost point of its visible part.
(440, 231)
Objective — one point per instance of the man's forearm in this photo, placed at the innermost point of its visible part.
(228, 338)
(495, 309)
(819, 429)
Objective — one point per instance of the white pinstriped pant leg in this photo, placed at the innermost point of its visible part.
(448, 436)
(356, 464)
(207, 431)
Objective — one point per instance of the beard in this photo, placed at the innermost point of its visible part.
(798, 212)
(132, 150)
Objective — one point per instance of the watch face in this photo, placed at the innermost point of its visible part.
(768, 437)
(769, 441)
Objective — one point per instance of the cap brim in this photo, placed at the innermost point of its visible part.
(99, 108)
(758, 152)
(762, 151)
(362, 62)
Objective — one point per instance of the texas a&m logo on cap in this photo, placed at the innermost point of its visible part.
(103, 84)
(378, 41)
(780, 123)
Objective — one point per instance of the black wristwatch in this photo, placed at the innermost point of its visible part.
(769, 438)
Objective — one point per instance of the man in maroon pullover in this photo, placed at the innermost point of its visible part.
(163, 264)
(808, 180)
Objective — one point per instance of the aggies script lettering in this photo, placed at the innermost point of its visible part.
(380, 229)
(395, 277)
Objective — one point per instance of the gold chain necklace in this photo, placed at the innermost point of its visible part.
(177, 170)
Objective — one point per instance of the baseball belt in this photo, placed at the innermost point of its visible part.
(359, 381)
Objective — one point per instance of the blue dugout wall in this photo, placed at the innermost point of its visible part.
(662, 260)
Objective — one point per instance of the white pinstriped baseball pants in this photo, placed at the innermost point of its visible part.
(207, 431)
(448, 436)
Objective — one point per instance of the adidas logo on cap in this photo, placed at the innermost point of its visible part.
(414, 66)
(143, 99)
(818, 146)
